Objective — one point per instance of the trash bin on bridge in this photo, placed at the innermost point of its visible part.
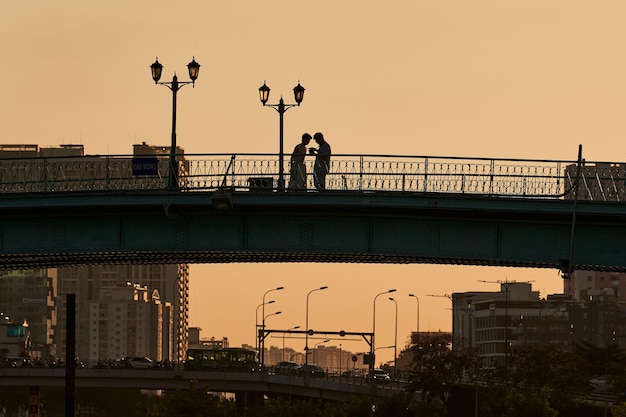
(260, 183)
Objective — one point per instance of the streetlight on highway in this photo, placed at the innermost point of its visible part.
(449, 297)
(417, 328)
(315, 347)
(395, 340)
(372, 359)
(194, 68)
(281, 108)
(263, 348)
(256, 323)
(306, 337)
(288, 330)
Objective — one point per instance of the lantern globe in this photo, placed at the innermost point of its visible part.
(156, 69)
(298, 93)
(194, 69)
(264, 93)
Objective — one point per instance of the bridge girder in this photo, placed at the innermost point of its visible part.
(74, 229)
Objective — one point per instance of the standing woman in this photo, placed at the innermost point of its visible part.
(297, 168)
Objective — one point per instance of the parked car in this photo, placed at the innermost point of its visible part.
(313, 370)
(137, 362)
(287, 368)
(378, 376)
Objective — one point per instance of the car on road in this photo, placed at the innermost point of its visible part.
(137, 362)
(379, 376)
(313, 370)
(287, 368)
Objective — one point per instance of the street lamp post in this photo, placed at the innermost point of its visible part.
(256, 324)
(262, 346)
(449, 297)
(288, 330)
(306, 337)
(417, 328)
(281, 108)
(263, 341)
(395, 340)
(315, 347)
(193, 67)
(373, 348)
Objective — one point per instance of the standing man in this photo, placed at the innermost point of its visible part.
(322, 161)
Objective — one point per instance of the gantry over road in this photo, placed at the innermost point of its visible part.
(376, 209)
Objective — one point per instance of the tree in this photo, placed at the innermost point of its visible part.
(608, 362)
(436, 367)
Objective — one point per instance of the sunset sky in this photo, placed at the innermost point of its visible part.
(481, 78)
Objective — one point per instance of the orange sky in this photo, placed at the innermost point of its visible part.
(502, 79)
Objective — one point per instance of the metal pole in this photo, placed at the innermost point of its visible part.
(281, 169)
(373, 349)
(306, 337)
(418, 316)
(288, 331)
(172, 178)
(70, 354)
(570, 260)
(395, 340)
(262, 342)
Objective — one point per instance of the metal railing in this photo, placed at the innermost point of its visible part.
(361, 173)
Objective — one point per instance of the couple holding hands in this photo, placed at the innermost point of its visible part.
(297, 178)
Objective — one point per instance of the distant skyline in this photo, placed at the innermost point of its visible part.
(492, 79)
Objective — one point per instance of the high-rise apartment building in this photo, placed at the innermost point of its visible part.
(126, 319)
(91, 283)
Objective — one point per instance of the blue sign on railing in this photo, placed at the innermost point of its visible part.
(145, 166)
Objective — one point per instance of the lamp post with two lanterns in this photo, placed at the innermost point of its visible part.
(174, 85)
(281, 108)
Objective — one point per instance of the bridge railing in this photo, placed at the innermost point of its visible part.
(362, 173)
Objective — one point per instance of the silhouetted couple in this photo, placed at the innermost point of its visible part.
(297, 179)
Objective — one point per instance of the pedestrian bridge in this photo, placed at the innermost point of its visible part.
(376, 209)
(329, 388)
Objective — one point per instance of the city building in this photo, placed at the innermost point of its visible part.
(197, 342)
(28, 296)
(14, 339)
(125, 320)
(495, 323)
(89, 283)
